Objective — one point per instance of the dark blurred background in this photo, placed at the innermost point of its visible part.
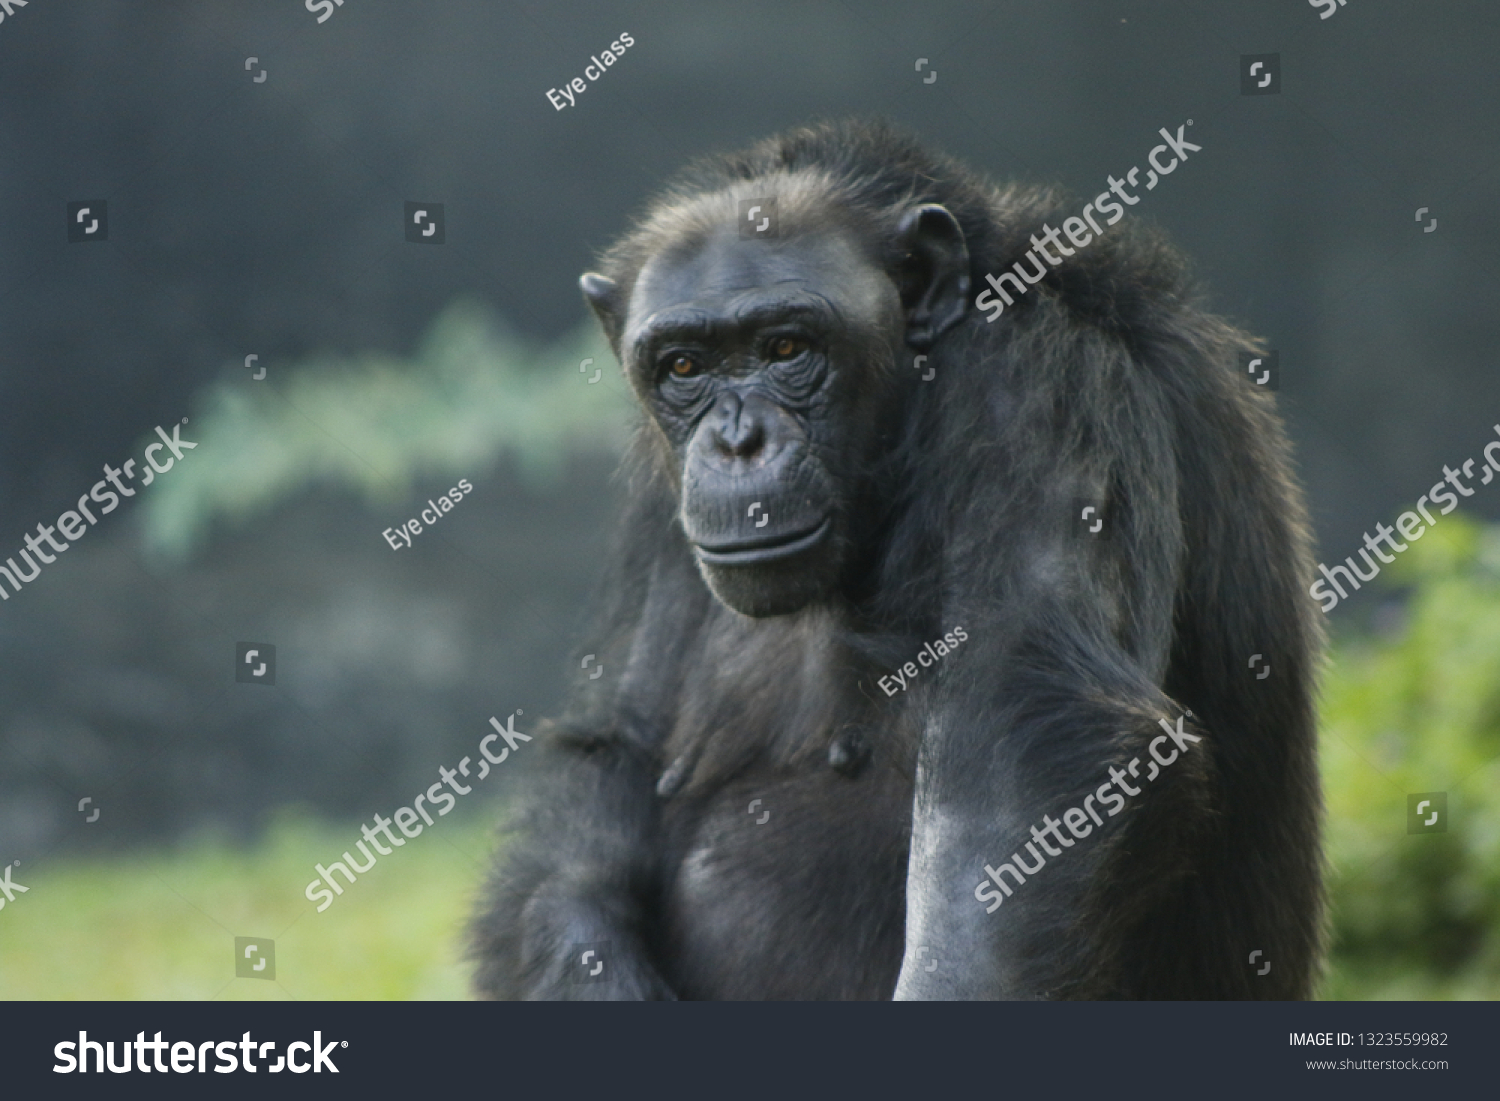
(266, 217)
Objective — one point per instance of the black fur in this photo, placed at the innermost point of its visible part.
(1104, 382)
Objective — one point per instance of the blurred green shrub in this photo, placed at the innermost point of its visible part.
(473, 392)
(1415, 707)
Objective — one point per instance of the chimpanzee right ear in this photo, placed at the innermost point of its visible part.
(603, 296)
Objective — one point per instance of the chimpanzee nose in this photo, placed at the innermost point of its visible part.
(737, 430)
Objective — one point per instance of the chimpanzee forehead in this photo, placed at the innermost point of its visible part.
(724, 273)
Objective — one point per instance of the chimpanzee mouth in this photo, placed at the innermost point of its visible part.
(754, 552)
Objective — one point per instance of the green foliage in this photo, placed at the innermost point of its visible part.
(1416, 708)
(373, 423)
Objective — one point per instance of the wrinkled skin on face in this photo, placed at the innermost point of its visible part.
(770, 369)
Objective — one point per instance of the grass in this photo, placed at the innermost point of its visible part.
(162, 925)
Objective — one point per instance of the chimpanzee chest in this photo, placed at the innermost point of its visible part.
(788, 886)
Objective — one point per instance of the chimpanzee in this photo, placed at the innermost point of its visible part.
(956, 645)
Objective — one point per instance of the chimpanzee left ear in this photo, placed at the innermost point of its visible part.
(934, 277)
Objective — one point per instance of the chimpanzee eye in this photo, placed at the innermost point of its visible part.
(683, 366)
(787, 347)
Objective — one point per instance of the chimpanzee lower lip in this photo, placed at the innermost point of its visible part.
(754, 552)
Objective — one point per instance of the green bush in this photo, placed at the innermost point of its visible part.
(473, 392)
(1413, 708)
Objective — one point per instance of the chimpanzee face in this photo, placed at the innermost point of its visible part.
(769, 367)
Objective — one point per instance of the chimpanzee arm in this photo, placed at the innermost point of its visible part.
(1104, 686)
(1069, 632)
(565, 918)
(1066, 743)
